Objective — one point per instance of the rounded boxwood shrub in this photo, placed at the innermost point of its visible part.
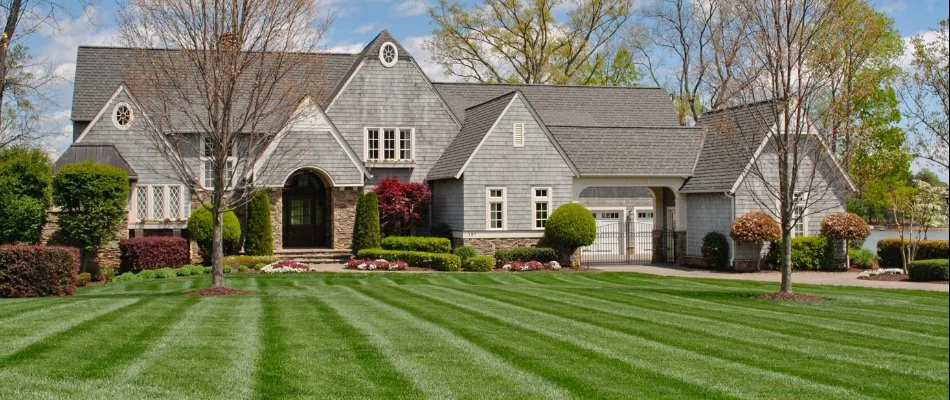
(928, 270)
(715, 250)
(200, 230)
(569, 227)
(259, 238)
(464, 252)
(366, 232)
(478, 263)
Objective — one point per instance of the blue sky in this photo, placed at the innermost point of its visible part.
(355, 24)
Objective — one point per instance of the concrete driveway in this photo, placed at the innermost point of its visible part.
(815, 278)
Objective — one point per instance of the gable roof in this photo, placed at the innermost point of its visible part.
(99, 70)
(479, 120)
(571, 105)
(629, 151)
(733, 136)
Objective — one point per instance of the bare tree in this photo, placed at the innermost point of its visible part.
(219, 89)
(795, 174)
(926, 96)
(523, 41)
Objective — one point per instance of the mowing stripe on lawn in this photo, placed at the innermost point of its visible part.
(41, 325)
(752, 337)
(587, 373)
(722, 375)
(313, 353)
(429, 354)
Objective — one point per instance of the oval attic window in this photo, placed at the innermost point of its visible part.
(122, 116)
(388, 54)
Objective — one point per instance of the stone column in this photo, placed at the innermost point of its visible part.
(343, 202)
(659, 252)
(276, 196)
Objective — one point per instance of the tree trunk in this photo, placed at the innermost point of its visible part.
(786, 262)
(847, 256)
(9, 29)
(217, 249)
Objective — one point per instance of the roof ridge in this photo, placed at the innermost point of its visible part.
(572, 85)
(325, 53)
(513, 92)
(695, 127)
(746, 105)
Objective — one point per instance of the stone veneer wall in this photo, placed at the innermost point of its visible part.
(108, 254)
(277, 216)
(488, 246)
(343, 207)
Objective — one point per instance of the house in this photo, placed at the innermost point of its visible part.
(499, 158)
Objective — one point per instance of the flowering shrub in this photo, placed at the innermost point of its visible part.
(375, 265)
(532, 266)
(285, 266)
(845, 226)
(882, 271)
(755, 227)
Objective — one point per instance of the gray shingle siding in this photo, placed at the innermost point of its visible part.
(398, 97)
(706, 212)
(499, 163)
(447, 203)
(478, 120)
(300, 149)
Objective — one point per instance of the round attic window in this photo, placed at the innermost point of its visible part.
(388, 54)
(122, 116)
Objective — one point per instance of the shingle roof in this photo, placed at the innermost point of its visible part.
(641, 151)
(100, 70)
(478, 120)
(569, 105)
(732, 136)
(103, 153)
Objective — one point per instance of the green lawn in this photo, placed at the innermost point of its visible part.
(466, 335)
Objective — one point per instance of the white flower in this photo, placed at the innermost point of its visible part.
(506, 267)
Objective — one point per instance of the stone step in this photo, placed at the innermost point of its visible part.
(314, 256)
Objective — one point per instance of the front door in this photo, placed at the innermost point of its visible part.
(305, 211)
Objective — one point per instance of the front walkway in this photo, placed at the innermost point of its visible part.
(815, 278)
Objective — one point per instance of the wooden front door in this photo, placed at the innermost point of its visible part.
(305, 211)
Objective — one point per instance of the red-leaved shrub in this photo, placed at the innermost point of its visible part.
(33, 271)
(138, 254)
(401, 205)
(755, 227)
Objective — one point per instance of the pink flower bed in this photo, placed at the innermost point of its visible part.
(374, 265)
(532, 266)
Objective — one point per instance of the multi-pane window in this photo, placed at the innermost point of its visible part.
(299, 212)
(208, 166)
(798, 214)
(541, 202)
(174, 202)
(495, 199)
(159, 202)
(141, 202)
(389, 144)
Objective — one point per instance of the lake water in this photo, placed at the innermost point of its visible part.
(871, 241)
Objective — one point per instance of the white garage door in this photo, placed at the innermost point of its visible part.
(642, 231)
(610, 231)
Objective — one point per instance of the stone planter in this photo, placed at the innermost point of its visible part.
(748, 257)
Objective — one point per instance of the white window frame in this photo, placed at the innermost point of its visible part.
(115, 119)
(517, 141)
(382, 59)
(535, 200)
(204, 160)
(150, 213)
(504, 207)
(801, 200)
(397, 150)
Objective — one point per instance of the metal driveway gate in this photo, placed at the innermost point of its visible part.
(629, 242)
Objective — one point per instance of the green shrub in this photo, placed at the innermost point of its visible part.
(525, 254)
(207, 270)
(259, 238)
(809, 253)
(889, 251)
(200, 230)
(863, 258)
(183, 271)
(147, 274)
(128, 276)
(464, 252)
(92, 201)
(83, 279)
(227, 269)
(928, 270)
(442, 230)
(259, 266)
(424, 244)
(27, 173)
(478, 263)
(242, 269)
(715, 250)
(248, 261)
(166, 272)
(366, 234)
(21, 219)
(569, 227)
(436, 261)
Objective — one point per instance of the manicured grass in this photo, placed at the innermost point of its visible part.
(469, 335)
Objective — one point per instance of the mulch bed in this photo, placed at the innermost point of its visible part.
(211, 291)
(790, 297)
(890, 278)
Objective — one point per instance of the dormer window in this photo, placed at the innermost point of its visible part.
(122, 116)
(388, 54)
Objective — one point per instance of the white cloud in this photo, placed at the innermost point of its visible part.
(411, 8)
(85, 29)
(347, 48)
(365, 28)
(414, 45)
(892, 6)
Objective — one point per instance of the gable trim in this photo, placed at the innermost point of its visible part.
(544, 128)
(346, 84)
(755, 157)
(437, 94)
(102, 112)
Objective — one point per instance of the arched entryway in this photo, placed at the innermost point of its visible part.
(306, 221)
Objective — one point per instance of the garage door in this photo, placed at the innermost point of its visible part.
(610, 232)
(642, 232)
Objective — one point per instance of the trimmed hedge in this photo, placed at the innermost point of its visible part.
(464, 252)
(139, 254)
(92, 200)
(715, 250)
(929, 270)
(21, 219)
(809, 253)
(424, 244)
(259, 239)
(525, 254)
(248, 261)
(889, 250)
(436, 261)
(478, 263)
(366, 227)
(33, 271)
